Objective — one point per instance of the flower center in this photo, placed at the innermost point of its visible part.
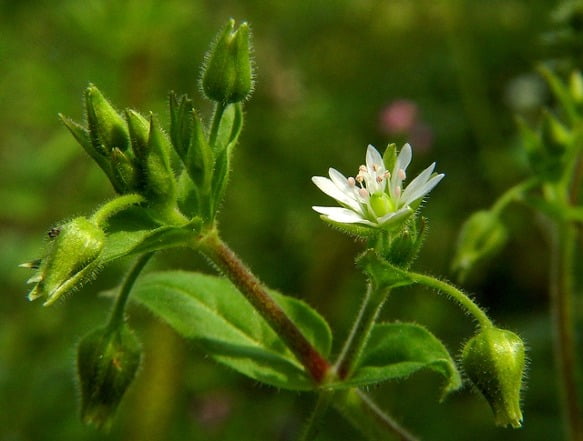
(381, 204)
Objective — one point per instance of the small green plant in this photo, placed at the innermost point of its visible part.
(553, 145)
(170, 185)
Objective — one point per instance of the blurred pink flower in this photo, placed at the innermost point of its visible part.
(399, 116)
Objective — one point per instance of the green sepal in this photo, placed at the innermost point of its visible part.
(397, 350)
(383, 274)
(210, 311)
(405, 246)
(107, 127)
(199, 160)
(158, 180)
(124, 171)
(359, 231)
(180, 123)
(390, 157)
(107, 362)
(82, 136)
(139, 129)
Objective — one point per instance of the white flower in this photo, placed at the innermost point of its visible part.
(375, 197)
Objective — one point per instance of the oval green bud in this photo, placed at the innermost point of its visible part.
(228, 71)
(482, 235)
(494, 362)
(70, 259)
(107, 362)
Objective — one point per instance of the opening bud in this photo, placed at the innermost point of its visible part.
(73, 248)
(494, 362)
(107, 362)
(228, 72)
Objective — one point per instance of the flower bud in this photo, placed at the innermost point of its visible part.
(107, 128)
(228, 72)
(107, 362)
(494, 362)
(405, 247)
(70, 259)
(482, 235)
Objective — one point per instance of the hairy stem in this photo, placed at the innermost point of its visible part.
(360, 332)
(456, 294)
(117, 313)
(114, 206)
(514, 193)
(561, 287)
(364, 414)
(232, 267)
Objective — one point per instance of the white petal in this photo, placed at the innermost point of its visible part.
(411, 192)
(373, 157)
(404, 158)
(339, 180)
(426, 188)
(328, 187)
(342, 215)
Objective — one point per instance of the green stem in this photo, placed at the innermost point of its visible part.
(561, 281)
(513, 194)
(114, 206)
(217, 116)
(366, 416)
(360, 332)
(312, 426)
(117, 316)
(227, 261)
(455, 294)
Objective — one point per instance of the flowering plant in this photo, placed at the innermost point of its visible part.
(169, 186)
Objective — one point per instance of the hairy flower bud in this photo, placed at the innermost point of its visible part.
(73, 248)
(107, 127)
(228, 72)
(494, 362)
(482, 235)
(107, 362)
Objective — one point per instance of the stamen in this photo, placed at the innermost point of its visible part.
(387, 175)
(351, 181)
(401, 174)
(380, 179)
(359, 179)
(363, 169)
(375, 167)
(363, 192)
(398, 191)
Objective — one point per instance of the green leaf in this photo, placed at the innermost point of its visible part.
(211, 311)
(397, 350)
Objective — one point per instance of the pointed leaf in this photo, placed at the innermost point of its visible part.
(212, 312)
(397, 350)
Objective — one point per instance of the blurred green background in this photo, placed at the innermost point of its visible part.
(333, 76)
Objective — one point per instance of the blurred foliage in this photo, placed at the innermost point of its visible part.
(328, 71)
